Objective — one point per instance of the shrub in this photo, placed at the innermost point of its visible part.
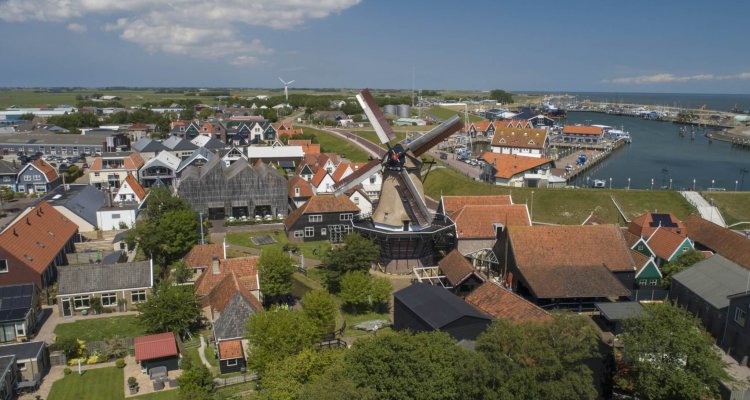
(120, 363)
(132, 381)
(67, 371)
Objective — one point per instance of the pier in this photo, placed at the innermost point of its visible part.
(595, 154)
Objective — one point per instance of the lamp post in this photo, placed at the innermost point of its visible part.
(712, 183)
(694, 184)
(201, 218)
(652, 183)
(610, 182)
(628, 183)
(736, 182)
(670, 183)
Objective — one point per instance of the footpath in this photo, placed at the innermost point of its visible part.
(706, 210)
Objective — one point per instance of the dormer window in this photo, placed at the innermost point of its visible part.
(296, 192)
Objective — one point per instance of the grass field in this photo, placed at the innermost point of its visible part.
(734, 206)
(563, 206)
(373, 137)
(101, 328)
(94, 384)
(334, 144)
(445, 113)
(307, 248)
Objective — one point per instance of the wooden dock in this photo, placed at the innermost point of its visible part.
(598, 157)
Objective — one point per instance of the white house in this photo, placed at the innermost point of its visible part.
(130, 191)
(117, 217)
(322, 182)
(361, 200)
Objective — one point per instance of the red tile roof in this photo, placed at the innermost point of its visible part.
(228, 287)
(136, 187)
(640, 260)
(476, 222)
(520, 137)
(664, 243)
(452, 204)
(582, 130)
(230, 349)
(246, 269)
(509, 165)
(202, 255)
(305, 190)
(317, 179)
(722, 241)
(501, 303)
(45, 168)
(642, 225)
(457, 268)
(151, 347)
(37, 237)
(571, 261)
(321, 204)
(131, 162)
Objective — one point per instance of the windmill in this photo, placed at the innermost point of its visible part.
(401, 222)
(286, 88)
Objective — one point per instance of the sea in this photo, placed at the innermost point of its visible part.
(719, 102)
(659, 153)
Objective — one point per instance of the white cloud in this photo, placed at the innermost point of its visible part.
(197, 28)
(77, 28)
(669, 78)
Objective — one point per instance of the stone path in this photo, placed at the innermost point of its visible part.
(706, 210)
(202, 354)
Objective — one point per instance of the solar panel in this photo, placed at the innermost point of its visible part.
(262, 240)
(664, 220)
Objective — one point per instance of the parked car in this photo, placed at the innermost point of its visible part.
(85, 165)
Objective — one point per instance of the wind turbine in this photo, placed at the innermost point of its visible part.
(286, 88)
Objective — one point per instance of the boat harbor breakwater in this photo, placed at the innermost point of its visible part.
(697, 117)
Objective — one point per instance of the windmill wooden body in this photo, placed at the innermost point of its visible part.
(409, 234)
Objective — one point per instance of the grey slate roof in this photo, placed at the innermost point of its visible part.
(435, 305)
(231, 322)
(713, 279)
(201, 152)
(7, 168)
(82, 200)
(146, 145)
(89, 278)
(22, 351)
(15, 301)
(178, 143)
(621, 310)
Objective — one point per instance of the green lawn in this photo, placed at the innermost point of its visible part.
(210, 354)
(734, 206)
(373, 137)
(563, 206)
(163, 395)
(302, 284)
(94, 384)
(101, 328)
(353, 319)
(306, 248)
(445, 113)
(330, 143)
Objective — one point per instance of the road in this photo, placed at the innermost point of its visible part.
(706, 210)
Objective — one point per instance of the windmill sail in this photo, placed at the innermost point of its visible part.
(414, 199)
(435, 136)
(375, 116)
(357, 177)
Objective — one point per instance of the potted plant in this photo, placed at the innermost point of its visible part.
(132, 385)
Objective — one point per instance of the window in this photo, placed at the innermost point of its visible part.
(356, 200)
(296, 192)
(232, 363)
(80, 302)
(372, 179)
(138, 296)
(323, 231)
(20, 329)
(299, 234)
(739, 316)
(109, 299)
(653, 282)
(115, 216)
(3, 266)
(309, 231)
(27, 178)
(640, 247)
(21, 366)
(315, 218)
(345, 217)
(6, 179)
(96, 174)
(37, 178)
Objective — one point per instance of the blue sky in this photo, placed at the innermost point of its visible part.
(634, 46)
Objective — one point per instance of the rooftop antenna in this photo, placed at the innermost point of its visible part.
(413, 80)
(286, 88)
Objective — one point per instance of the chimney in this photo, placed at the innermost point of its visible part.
(28, 221)
(215, 266)
(498, 228)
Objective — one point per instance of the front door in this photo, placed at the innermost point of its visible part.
(67, 311)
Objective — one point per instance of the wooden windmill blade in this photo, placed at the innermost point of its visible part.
(414, 199)
(375, 116)
(435, 136)
(357, 177)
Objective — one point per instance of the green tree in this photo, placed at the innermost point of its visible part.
(276, 272)
(683, 262)
(544, 361)
(171, 309)
(671, 355)
(206, 113)
(355, 290)
(335, 384)
(406, 366)
(196, 381)
(181, 272)
(320, 307)
(380, 291)
(26, 117)
(285, 378)
(187, 114)
(501, 96)
(277, 334)
(357, 254)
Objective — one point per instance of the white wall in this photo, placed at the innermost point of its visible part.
(106, 220)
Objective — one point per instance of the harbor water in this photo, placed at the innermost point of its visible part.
(658, 152)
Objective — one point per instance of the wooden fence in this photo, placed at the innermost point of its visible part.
(235, 380)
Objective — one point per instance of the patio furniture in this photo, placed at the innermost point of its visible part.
(157, 372)
(172, 383)
(158, 385)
